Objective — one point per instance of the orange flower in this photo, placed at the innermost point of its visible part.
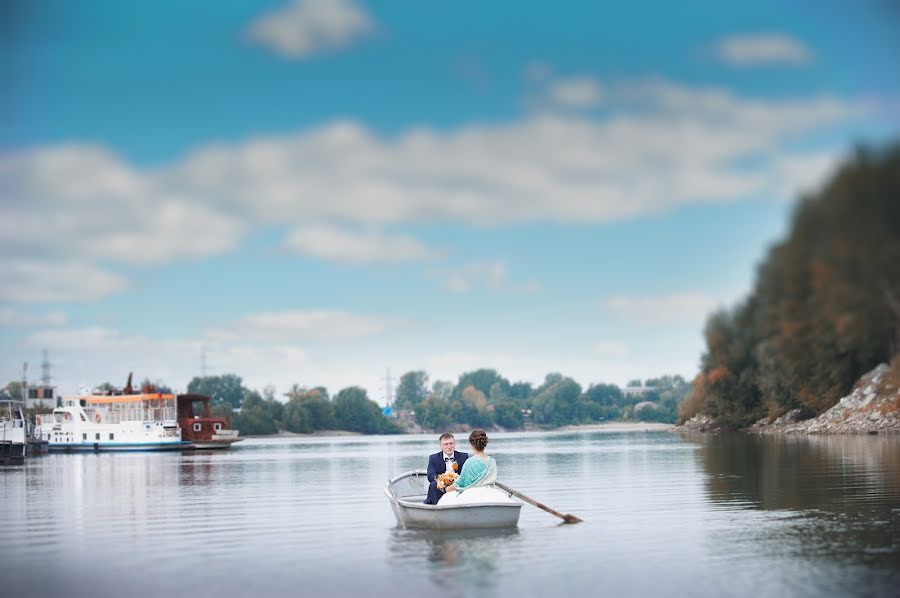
(455, 466)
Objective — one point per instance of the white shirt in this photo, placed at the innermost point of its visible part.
(449, 463)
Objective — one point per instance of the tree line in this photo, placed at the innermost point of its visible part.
(825, 307)
(306, 410)
(481, 398)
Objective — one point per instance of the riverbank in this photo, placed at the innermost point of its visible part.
(618, 427)
(605, 427)
(872, 407)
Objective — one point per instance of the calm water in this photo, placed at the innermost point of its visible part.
(664, 514)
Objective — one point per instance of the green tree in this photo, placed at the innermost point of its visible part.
(519, 391)
(434, 414)
(605, 395)
(258, 415)
(412, 390)
(557, 404)
(482, 380)
(508, 415)
(354, 411)
(227, 388)
(442, 390)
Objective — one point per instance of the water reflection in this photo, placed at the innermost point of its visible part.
(456, 560)
(827, 500)
(800, 473)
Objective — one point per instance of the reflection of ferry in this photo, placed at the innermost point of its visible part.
(130, 421)
(199, 427)
(12, 430)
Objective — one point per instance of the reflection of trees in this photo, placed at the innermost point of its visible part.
(455, 559)
(195, 469)
(839, 494)
(789, 472)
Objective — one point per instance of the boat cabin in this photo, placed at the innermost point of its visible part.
(200, 427)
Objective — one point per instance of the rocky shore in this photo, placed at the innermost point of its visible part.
(872, 407)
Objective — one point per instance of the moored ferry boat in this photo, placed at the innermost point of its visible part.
(13, 442)
(115, 422)
(199, 427)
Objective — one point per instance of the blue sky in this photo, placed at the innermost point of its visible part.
(311, 192)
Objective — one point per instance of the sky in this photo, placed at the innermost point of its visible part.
(315, 192)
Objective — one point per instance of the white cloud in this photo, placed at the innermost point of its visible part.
(492, 275)
(305, 326)
(796, 174)
(84, 201)
(546, 167)
(763, 49)
(688, 308)
(576, 93)
(658, 146)
(304, 28)
(34, 281)
(340, 245)
(11, 318)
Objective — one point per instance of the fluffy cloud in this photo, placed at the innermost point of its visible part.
(763, 49)
(340, 245)
(554, 167)
(658, 146)
(84, 201)
(35, 281)
(578, 92)
(793, 175)
(491, 275)
(304, 326)
(11, 318)
(307, 27)
(689, 308)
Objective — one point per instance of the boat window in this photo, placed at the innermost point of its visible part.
(111, 436)
(217, 427)
(197, 427)
(97, 436)
(84, 436)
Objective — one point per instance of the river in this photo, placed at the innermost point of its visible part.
(664, 514)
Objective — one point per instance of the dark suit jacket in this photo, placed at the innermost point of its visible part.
(436, 466)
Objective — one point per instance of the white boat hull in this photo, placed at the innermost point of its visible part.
(144, 422)
(407, 493)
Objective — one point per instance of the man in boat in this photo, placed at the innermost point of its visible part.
(447, 459)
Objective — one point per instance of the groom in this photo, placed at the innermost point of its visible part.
(443, 461)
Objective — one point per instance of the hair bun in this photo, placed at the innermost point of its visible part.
(478, 439)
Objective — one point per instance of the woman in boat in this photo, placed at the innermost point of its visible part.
(478, 473)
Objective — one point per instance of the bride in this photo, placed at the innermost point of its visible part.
(476, 480)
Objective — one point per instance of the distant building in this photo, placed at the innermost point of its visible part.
(636, 390)
(40, 395)
(643, 405)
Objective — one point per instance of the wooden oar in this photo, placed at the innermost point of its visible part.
(531, 501)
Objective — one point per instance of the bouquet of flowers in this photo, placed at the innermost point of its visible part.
(447, 478)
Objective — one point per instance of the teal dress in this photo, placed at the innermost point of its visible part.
(476, 472)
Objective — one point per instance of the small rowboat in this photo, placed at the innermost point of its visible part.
(407, 493)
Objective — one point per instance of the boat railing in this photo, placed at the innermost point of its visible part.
(117, 415)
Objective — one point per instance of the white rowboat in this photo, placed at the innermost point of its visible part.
(407, 493)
